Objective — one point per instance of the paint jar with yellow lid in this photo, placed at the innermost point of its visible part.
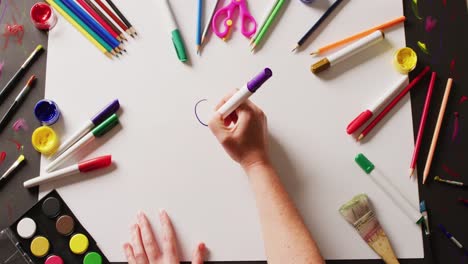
(45, 140)
(405, 60)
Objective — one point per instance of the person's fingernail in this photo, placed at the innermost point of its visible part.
(201, 246)
(140, 215)
(162, 213)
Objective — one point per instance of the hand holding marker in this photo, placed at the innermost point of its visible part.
(99, 131)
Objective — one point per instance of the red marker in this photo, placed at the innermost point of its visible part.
(368, 113)
(82, 167)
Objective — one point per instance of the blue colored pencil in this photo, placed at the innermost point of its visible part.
(199, 25)
(89, 21)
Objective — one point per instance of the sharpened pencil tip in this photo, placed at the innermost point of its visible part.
(314, 53)
(411, 170)
(295, 48)
(360, 137)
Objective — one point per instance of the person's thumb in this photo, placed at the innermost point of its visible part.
(216, 124)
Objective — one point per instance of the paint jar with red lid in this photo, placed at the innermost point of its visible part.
(43, 16)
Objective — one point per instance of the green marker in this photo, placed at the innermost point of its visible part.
(268, 23)
(174, 30)
(98, 131)
(388, 188)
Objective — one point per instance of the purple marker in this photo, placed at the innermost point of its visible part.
(244, 93)
(88, 126)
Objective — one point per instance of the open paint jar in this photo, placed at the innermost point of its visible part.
(43, 16)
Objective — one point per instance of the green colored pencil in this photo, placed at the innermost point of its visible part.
(84, 26)
(268, 23)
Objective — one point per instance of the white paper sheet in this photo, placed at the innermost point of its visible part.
(166, 159)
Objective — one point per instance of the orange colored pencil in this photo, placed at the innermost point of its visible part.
(443, 106)
(362, 34)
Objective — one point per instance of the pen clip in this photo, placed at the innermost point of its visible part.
(179, 45)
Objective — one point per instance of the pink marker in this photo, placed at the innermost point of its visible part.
(82, 167)
(368, 113)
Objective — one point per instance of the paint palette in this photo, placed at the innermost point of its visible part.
(49, 233)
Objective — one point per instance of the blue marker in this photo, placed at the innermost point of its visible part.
(90, 22)
(452, 238)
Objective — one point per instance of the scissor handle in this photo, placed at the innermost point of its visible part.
(247, 20)
(226, 23)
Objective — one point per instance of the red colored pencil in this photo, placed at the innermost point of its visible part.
(422, 124)
(392, 104)
(99, 19)
(114, 17)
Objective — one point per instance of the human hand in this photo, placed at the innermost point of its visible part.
(144, 248)
(243, 134)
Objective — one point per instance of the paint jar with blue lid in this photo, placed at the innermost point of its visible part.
(47, 112)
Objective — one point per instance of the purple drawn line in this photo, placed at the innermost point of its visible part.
(196, 114)
(455, 127)
(20, 124)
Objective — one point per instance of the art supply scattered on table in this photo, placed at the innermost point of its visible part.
(100, 20)
(348, 51)
(423, 211)
(45, 140)
(388, 188)
(49, 233)
(97, 119)
(435, 136)
(98, 131)
(451, 237)
(106, 19)
(422, 123)
(82, 167)
(208, 24)
(226, 15)
(43, 16)
(199, 25)
(360, 35)
(174, 30)
(12, 168)
(358, 212)
(17, 102)
(457, 183)
(114, 18)
(22, 70)
(405, 60)
(265, 27)
(122, 17)
(47, 112)
(392, 104)
(317, 24)
(244, 93)
(366, 115)
(267, 15)
(83, 28)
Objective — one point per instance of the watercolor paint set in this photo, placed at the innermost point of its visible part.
(49, 233)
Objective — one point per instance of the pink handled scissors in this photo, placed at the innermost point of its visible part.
(247, 20)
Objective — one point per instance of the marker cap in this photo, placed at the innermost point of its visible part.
(47, 112)
(405, 60)
(179, 45)
(106, 112)
(365, 164)
(96, 163)
(358, 122)
(259, 80)
(105, 126)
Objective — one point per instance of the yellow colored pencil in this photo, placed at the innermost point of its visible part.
(79, 28)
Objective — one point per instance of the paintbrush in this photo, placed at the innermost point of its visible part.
(358, 212)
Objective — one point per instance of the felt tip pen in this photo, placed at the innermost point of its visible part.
(244, 93)
(88, 126)
(450, 236)
(18, 100)
(98, 131)
(347, 51)
(82, 167)
(369, 112)
(423, 211)
(12, 168)
(174, 31)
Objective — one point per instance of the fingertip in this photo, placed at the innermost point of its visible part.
(202, 247)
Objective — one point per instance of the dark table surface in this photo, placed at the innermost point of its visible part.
(440, 24)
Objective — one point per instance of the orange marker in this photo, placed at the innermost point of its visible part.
(362, 34)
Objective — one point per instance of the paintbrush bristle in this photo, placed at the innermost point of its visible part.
(355, 209)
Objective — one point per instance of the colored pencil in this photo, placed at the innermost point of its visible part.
(110, 23)
(99, 19)
(82, 28)
(121, 16)
(422, 124)
(114, 17)
(317, 24)
(19, 99)
(264, 19)
(199, 25)
(268, 23)
(392, 104)
(364, 33)
(207, 25)
(91, 23)
(435, 136)
(21, 71)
